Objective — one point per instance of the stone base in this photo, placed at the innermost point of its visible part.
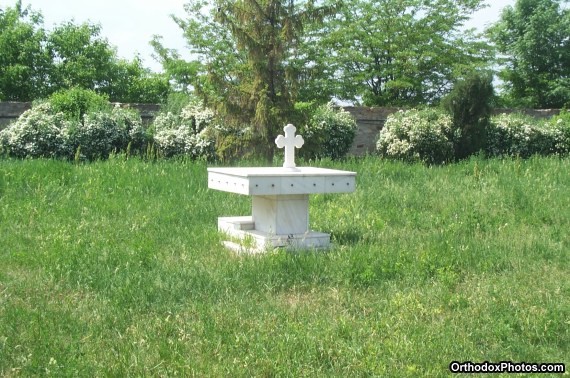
(255, 241)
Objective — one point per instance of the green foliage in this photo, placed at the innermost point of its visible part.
(24, 58)
(104, 132)
(176, 101)
(234, 142)
(418, 135)
(181, 74)
(470, 104)
(408, 52)
(242, 48)
(186, 133)
(524, 136)
(329, 133)
(533, 35)
(431, 137)
(35, 63)
(133, 83)
(77, 102)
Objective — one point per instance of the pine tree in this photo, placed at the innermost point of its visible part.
(256, 86)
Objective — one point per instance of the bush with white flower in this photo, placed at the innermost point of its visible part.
(45, 132)
(187, 133)
(104, 132)
(38, 132)
(329, 133)
(561, 123)
(524, 136)
(418, 135)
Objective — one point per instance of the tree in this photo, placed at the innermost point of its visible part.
(129, 81)
(470, 105)
(244, 48)
(82, 58)
(35, 63)
(404, 52)
(24, 60)
(534, 37)
(180, 73)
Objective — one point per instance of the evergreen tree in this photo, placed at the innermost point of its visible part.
(245, 52)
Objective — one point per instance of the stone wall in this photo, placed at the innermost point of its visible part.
(369, 120)
(10, 111)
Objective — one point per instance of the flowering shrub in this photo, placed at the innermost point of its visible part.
(38, 132)
(130, 130)
(561, 123)
(187, 133)
(44, 132)
(524, 136)
(329, 133)
(103, 132)
(418, 135)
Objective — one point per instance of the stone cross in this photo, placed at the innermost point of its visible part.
(289, 141)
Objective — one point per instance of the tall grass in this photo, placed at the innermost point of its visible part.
(116, 268)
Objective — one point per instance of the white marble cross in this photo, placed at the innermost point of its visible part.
(289, 141)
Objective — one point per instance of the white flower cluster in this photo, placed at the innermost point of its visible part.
(185, 134)
(41, 132)
(524, 136)
(418, 135)
(333, 129)
(38, 132)
(197, 116)
(105, 132)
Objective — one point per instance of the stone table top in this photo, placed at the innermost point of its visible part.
(280, 181)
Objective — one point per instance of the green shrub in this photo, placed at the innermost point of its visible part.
(470, 105)
(38, 132)
(77, 102)
(520, 135)
(104, 132)
(417, 135)
(132, 134)
(328, 134)
(234, 142)
(44, 132)
(561, 125)
(185, 134)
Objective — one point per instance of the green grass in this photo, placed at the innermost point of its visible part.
(116, 269)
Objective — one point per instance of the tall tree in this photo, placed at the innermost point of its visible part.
(24, 59)
(404, 52)
(35, 63)
(534, 37)
(244, 47)
(82, 58)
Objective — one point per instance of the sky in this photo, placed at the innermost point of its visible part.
(129, 25)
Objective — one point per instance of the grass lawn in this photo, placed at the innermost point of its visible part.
(116, 269)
